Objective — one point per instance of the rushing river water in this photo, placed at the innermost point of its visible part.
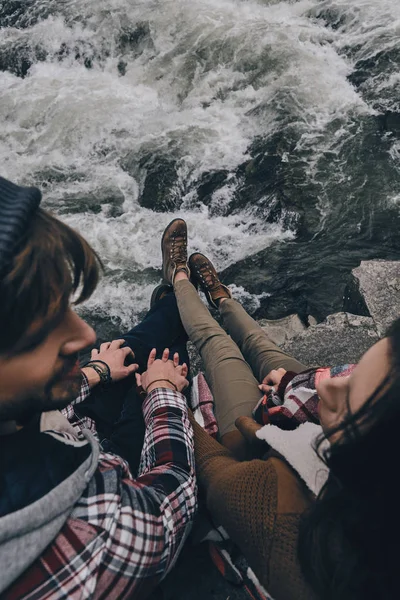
(272, 127)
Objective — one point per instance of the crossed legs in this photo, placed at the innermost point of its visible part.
(234, 364)
(259, 351)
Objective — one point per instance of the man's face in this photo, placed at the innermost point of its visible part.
(46, 375)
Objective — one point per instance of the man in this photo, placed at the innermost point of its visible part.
(74, 522)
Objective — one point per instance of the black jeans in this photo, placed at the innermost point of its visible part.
(117, 410)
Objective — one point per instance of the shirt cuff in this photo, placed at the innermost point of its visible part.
(85, 380)
(163, 398)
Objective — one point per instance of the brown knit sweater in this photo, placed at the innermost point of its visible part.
(259, 503)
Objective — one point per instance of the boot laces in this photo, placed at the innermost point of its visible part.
(212, 282)
(178, 248)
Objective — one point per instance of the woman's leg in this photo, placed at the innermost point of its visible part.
(230, 378)
(259, 351)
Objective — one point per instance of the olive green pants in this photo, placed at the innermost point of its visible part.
(236, 363)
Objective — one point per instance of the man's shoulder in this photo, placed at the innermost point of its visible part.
(111, 469)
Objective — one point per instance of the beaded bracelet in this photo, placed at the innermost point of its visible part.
(103, 372)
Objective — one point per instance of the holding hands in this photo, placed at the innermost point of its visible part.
(115, 357)
(108, 363)
(163, 373)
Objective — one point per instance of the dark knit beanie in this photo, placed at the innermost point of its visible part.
(17, 206)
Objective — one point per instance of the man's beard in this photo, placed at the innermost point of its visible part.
(57, 394)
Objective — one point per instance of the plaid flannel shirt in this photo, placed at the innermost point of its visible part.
(124, 534)
(69, 412)
(296, 399)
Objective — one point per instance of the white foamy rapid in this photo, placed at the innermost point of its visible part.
(208, 78)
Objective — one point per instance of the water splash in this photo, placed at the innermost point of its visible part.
(95, 96)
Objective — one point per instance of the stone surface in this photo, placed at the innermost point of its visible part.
(375, 290)
(108, 200)
(340, 339)
(159, 181)
(282, 330)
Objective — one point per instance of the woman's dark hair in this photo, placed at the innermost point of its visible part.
(349, 540)
(52, 263)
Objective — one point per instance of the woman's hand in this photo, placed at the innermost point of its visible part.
(163, 373)
(115, 357)
(272, 380)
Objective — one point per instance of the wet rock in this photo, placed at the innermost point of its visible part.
(332, 16)
(84, 53)
(19, 13)
(375, 290)
(342, 338)
(211, 182)
(278, 210)
(50, 175)
(135, 39)
(353, 300)
(261, 181)
(18, 58)
(282, 330)
(274, 185)
(385, 61)
(390, 122)
(122, 65)
(160, 191)
(110, 200)
(264, 167)
(279, 270)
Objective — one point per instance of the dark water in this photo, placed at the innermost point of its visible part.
(272, 127)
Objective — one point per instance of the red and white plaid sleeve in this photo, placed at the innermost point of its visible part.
(84, 392)
(124, 534)
(80, 423)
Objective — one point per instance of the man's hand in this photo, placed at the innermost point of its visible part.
(115, 357)
(272, 380)
(163, 373)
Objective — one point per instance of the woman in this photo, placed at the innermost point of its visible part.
(339, 542)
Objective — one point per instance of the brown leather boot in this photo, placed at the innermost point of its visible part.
(204, 273)
(174, 250)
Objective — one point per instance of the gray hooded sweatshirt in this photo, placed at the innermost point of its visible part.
(44, 469)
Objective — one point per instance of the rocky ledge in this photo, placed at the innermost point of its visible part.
(371, 303)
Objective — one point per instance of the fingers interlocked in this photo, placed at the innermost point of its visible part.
(163, 372)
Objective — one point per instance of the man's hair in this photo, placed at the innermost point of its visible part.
(51, 263)
(348, 545)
